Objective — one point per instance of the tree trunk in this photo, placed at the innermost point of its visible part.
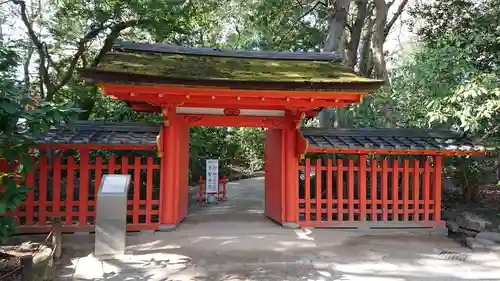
(337, 15)
(381, 9)
(365, 53)
(357, 28)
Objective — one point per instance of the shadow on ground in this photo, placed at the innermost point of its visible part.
(234, 241)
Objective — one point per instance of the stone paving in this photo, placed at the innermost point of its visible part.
(233, 241)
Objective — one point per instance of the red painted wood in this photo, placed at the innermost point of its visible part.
(42, 191)
(307, 191)
(219, 101)
(30, 196)
(137, 190)
(98, 175)
(318, 189)
(149, 189)
(231, 121)
(313, 149)
(416, 189)
(274, 177)
(437, 188)
(406, 193)
(385, 171)
(291, 172)
(156, 91)
(374, 189)
(112, 164)
(340, 190)
(395, 190)
(84, 187)
(426, 189)
(329, 186)
(350, 189)
(362, 187)
(70, 188)
(56, 185)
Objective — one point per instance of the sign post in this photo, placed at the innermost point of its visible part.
(212, 183)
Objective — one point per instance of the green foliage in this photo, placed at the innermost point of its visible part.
(22, 119)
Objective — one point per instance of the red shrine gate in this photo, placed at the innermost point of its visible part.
(357, 180)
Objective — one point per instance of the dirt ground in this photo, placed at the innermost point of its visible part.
(234, 241)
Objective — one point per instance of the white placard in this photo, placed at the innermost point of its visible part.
(114, 183)
(212, 176)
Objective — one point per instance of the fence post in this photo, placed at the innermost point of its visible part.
(57, 237)
(437, 189)
(83, 195)
(27, 268)
(362, 187)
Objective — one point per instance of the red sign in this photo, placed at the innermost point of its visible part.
(231, 112)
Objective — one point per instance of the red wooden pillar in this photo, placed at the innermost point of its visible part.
(273, 169)
(169, 201)
(437, 189)
(291, 168)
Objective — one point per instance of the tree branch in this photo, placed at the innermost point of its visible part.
(395, 17)
(43, 72)
(308, 11)
(80, 50)
(111, 38)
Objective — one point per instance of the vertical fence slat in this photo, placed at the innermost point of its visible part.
(137, 189)
(149, 189)
(395, 190)
(374, 190)
(416, 187)
(318, 190)
(350, 188)
(437, 188)
(98, 175)
(112, 164)
(406, 192)
(30, 196)
(84, 187)
(427, 181)
(70, 179)
(362, 187)
(124, 169)
(42, 191)
(307, 191)
(385, 189)
(329, 186)
(56, 186)
(340, 190)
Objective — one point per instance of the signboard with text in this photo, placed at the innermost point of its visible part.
(212, 176)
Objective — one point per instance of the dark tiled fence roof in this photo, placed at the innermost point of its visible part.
(111, 133)
(102, 133)
(388, 139)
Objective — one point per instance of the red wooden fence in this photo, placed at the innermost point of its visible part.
(370, 192)
(66, 187)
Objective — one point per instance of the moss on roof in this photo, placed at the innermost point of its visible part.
(197, 67)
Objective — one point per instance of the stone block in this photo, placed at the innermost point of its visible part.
(488, 235)
(452, 226)
(480, 244)
(472, 221)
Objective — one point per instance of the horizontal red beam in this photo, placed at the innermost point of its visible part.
(98, 146)
(256, 102)
(231, 121)
(394, 151)
(111, 89)
(142, 107)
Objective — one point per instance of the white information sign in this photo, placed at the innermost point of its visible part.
(212, 176)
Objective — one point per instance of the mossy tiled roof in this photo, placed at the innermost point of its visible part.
(227, 68)
(164, 64)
